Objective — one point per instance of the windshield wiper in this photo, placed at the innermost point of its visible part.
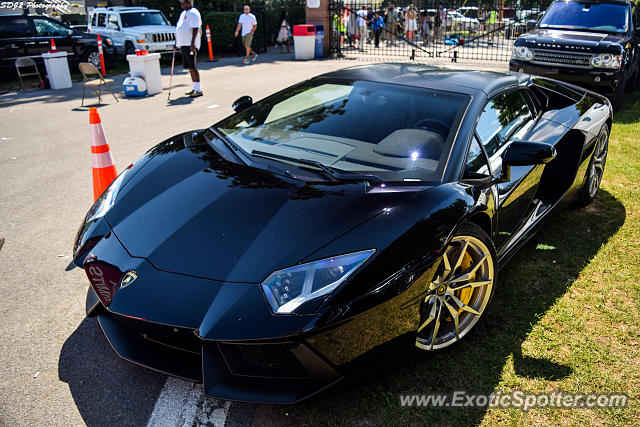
(237, 151)
(334, 173)
(244, 157)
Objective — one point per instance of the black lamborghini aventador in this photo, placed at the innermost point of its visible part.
(262, 255)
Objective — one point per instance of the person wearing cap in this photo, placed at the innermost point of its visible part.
(247, 23)
(377, 24)
(188, 32)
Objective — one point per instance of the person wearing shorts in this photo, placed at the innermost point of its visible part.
(188, 32)
(247, 25)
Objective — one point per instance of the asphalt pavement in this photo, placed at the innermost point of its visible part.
(56, 367)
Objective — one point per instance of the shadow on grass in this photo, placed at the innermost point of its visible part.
(530, 284)
(630, 112)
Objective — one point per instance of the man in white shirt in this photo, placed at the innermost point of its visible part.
(188, 40)
(362, 25)
(247, 25)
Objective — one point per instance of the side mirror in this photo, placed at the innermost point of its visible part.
(242, 103)
(523, 153)
(70, 32)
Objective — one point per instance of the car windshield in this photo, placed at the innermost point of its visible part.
(394, 132)
(604, 17)
(143, 18)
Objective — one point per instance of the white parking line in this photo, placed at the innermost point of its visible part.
(182, 403)
(213, 106)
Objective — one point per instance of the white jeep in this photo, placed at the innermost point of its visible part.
(133, 28)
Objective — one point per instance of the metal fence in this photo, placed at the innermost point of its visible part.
(430, 29)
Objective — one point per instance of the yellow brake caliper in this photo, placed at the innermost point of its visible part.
(465, 294)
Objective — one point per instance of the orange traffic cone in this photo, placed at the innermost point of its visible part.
(104, 170)
(53, 49)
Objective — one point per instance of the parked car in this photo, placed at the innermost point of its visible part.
(263, 255)
(31, 35)
(594, 44)
(456, 21)
(133, 28)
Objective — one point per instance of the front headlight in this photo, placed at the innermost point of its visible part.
(522, 53)
(106, 199)
(606, 60)
(287, 289)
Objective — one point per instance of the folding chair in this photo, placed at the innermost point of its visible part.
(26, 63)
(88, 71)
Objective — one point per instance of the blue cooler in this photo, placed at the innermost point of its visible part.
(134, 86)
(319, 41)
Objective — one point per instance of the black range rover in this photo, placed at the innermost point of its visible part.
(590, 43)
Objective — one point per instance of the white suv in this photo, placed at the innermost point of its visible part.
(133, 28)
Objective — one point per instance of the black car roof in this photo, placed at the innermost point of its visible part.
(424, 76)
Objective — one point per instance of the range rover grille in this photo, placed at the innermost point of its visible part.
(552, 57)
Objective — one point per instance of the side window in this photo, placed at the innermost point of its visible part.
(101, 19)
(93, 19)
(13, 26)
(476, 166)
(47, 28)
(113, 22)
(503, 117)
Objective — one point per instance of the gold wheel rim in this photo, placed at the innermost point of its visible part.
(457, 295)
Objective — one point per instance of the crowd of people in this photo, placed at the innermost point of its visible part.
(360, 25)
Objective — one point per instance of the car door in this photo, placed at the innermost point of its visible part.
(505, 119)
(47, 29)
(115, 31)
(15, 34)
(100, 26)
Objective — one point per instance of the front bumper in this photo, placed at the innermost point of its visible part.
(608, 80)
(262, 372)
(157, 47)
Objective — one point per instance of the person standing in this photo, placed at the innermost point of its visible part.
(369, 21)
(437, 24)
(492, 24)
(392, 22)
(338, 27)
(411, 24)
(377, 25)
(247, 24)
(426, 29)
(362, 26)
(188, 35)
(283, 32)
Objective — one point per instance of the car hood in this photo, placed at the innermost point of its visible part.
(189, 211)
(579, 41)
(151, 29)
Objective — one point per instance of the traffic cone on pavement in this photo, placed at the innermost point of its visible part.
(104, 170)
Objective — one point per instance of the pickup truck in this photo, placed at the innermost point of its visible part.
(133, 28)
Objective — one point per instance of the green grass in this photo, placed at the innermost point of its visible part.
(565, 317)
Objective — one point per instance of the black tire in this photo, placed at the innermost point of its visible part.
(618, 95)
(453, 306)
(129, 49)
(92, 56)
(596, 166)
